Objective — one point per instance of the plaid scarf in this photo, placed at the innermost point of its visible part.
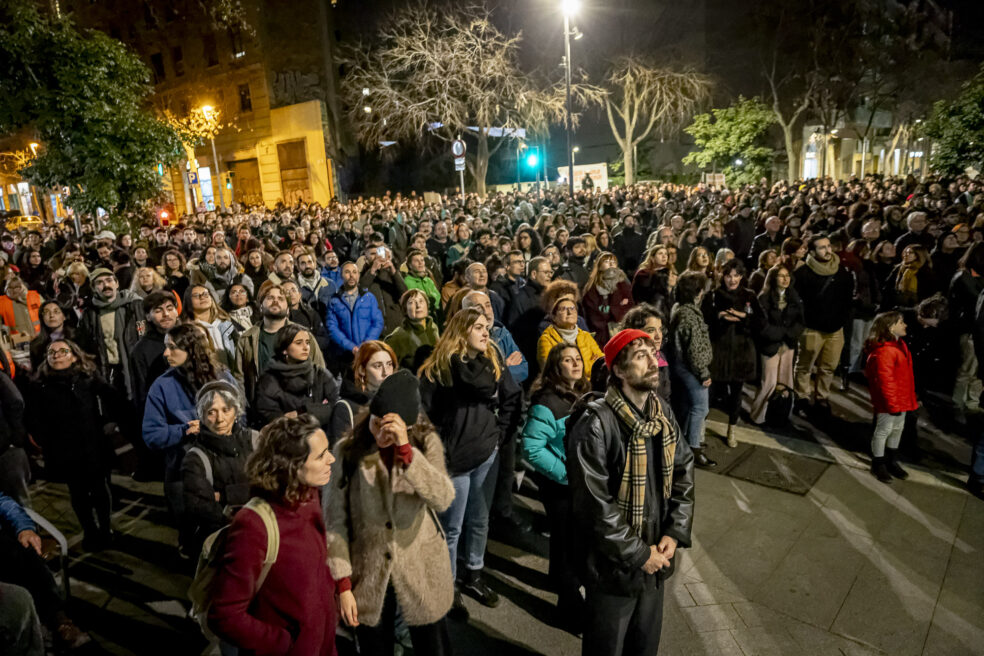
(632, 490)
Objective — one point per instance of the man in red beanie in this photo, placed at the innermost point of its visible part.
(631, 478)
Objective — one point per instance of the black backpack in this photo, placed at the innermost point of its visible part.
(780, 406)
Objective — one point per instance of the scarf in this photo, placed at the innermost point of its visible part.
(827, 268)
(632, 489)
(122, 296)
(608, 281)
(569, 335)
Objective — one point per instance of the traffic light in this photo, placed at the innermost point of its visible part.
(165, 218)
(532, 159)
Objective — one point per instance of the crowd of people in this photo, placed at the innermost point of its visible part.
(346, 393)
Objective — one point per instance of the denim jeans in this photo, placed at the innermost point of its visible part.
(693, 405)
(888, 432)
(468, 514)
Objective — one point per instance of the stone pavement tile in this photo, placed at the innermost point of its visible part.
(766, 641)
(678, 593)
(754, 614)
(958, 622)
(855, 502)
(891, 603)
(811, 582)
(711, 643)
(711, 618)
(925, 518)
(687, 558)
(969, 543)
(814, 640)
(676, 630)
(718, 592)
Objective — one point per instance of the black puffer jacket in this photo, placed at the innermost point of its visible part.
(472, 410)
(775, 327)
(226, 455)
(734, 348)
(301, 387)
(608, 555)
(352, 401)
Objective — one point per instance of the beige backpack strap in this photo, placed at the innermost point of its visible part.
(265, 511)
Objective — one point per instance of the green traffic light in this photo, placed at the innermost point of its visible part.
(532, 160)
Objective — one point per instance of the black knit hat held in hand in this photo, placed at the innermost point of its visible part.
(399, 393)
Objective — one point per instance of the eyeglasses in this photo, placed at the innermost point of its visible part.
(199, 296)
(56, 352)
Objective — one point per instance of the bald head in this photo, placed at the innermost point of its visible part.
(478, 300)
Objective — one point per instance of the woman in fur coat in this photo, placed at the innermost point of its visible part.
(385, 542)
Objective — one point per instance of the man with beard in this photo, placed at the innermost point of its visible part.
(332, 271)
(382, 279)
(110, 328)
(316, 290)
(283, 268)
(827, 289)
(353, 317)
(306, 315)
(438, 245)
(574, 269)
(340, 243)
(631, 477)
(147, 358)
(507, 285)
(255, 347)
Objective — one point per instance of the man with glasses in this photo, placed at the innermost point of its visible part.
(524, 314)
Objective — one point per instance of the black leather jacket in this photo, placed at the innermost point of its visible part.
(608, 555)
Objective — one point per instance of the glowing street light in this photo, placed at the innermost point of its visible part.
(739, 161)
(574, 151)
(365, 91)
(208, 112)
(570, 7)
(367, 109)
(34, 147)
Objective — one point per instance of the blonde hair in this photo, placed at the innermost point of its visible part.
(75, 267)
(454, 341)
(159, 281)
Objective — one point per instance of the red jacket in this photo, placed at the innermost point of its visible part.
(890, 379)
(599, 311)
(294, 612)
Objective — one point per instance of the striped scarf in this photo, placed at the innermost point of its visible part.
(632, 490)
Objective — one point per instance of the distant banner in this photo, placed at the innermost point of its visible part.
(713, 179)
(598, 173)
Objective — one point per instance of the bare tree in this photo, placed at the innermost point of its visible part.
(642, 99)
(446, 74)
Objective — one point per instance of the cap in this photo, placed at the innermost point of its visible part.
(621, 339)
(106, 234)
(98, 273)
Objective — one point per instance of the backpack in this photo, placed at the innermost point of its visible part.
(780, 406)
(201, 589)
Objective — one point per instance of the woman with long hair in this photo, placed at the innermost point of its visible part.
(74, 290)
(730, 312)
(384, 541)
(655, 279)
(201, 308)
(777, 330)
(472, 399)
(170, 418)
(373, 364)
(293, 611)
(607, 297)
(238, 304)
(56, 324)
(561, 382)
(700, 262)
(792, 253)
(68, 406)
(892, 387)
(911, 281)
(173, 268)
(146, 281)
(292, 384)
(255, 267)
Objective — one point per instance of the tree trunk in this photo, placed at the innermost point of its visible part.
(481, 162)
(792, 161)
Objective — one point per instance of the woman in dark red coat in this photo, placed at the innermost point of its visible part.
(294, 611)
(893, 392)
(607, 297)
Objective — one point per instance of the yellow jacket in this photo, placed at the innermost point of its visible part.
(585, 343)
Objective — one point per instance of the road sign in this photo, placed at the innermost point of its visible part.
(459, 163)
(458, 148)
(192, 177)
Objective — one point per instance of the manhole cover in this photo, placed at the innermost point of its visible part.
(791, 473)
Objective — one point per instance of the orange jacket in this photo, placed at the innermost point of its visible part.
(33, 306)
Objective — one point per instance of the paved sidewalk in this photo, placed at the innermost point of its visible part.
(851, 567)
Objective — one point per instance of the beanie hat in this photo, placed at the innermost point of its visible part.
(399, 393)
(621, 339)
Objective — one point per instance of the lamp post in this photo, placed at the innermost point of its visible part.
(574, 151)
(207, 112)
(570, 7)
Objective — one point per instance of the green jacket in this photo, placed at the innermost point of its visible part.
(426, 285)
(246, 368)
(409, 337)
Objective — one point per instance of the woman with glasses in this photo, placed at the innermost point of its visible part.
(200, 308)
(563, 328)
(238, 304)
(68, 393)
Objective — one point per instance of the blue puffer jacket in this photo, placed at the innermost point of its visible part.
(170, 406)
(13, 515)
(349, 328)
(507, 346)
(543, 434)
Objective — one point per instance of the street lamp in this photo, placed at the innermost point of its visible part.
(574, 151)
(34, 147)
(739, 161)
(569, 7)
(208, 111)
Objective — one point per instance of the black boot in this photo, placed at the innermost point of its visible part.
(879, 468)
(458, 610)
(473, 584)
(892, 464)
(703, 461)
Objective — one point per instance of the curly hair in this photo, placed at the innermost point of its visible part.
(557, 290)
(274, 467)
(201, 366)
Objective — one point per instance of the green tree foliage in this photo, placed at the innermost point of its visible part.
(82, 96)
(957, 129)
(734, 133)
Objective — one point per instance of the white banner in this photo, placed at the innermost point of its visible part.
(598, 173)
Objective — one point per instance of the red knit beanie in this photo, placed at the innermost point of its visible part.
(619, 341)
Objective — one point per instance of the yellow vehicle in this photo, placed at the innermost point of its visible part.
(13, 222)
